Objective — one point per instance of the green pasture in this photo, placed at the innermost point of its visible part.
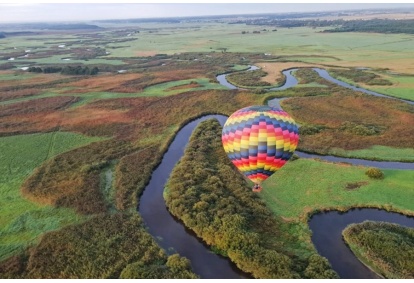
(22, 221)
(402, 87)
(306, 185)
(16, 76)
(240, 67)
(376, 152)
(313, 84)
(188, 37)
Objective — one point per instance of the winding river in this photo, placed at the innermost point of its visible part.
(174, 237)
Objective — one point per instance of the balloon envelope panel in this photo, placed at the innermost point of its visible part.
(259, 140)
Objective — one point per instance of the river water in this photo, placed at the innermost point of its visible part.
(326, 227)
(170, 232)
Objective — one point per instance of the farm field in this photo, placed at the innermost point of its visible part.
(78, 147)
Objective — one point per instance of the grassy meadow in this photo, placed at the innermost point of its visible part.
(22, 221)
(304, 186)
(402, 87)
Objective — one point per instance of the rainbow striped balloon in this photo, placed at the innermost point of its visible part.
(259, 140)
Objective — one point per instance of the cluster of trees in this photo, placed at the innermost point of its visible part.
(79, 70)
(105, 246)
(248, 78)
(371, 25)
(46, 70)
(360, 76)
(207, 193)
(310, 129)
(376, 25)
(374, 173)
(360, 129)
(66, 70)
(387, 248)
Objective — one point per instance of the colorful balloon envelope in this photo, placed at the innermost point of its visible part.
(259, 140)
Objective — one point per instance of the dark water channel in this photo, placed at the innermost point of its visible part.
(326, 227)
(171, 232)
(327, 237)
(324, 74)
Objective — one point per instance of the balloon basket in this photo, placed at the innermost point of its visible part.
(257, 189)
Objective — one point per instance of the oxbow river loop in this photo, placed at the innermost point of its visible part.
(174, 237)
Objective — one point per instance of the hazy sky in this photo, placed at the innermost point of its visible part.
(28, 12)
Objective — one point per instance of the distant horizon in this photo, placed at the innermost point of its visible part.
(76, 12)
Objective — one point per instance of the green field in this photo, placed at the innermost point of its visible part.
(305, 185)
(16, 76)
(21, 220)
(402, 87)
(211, 37)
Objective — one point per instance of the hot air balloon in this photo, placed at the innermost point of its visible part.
(259, 140)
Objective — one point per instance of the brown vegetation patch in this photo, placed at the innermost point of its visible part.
(365, 111)
(145, 53)
(355, 185)
(101, 83)
(31, 116)
(38, 105)
(37, 79)
(18, 93)
(49, 114)
(129, 83)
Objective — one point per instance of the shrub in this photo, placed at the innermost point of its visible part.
(360, 130)
(374, 173)
(310, 130)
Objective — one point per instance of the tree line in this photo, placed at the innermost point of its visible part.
(66, 70)
(371, 25)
